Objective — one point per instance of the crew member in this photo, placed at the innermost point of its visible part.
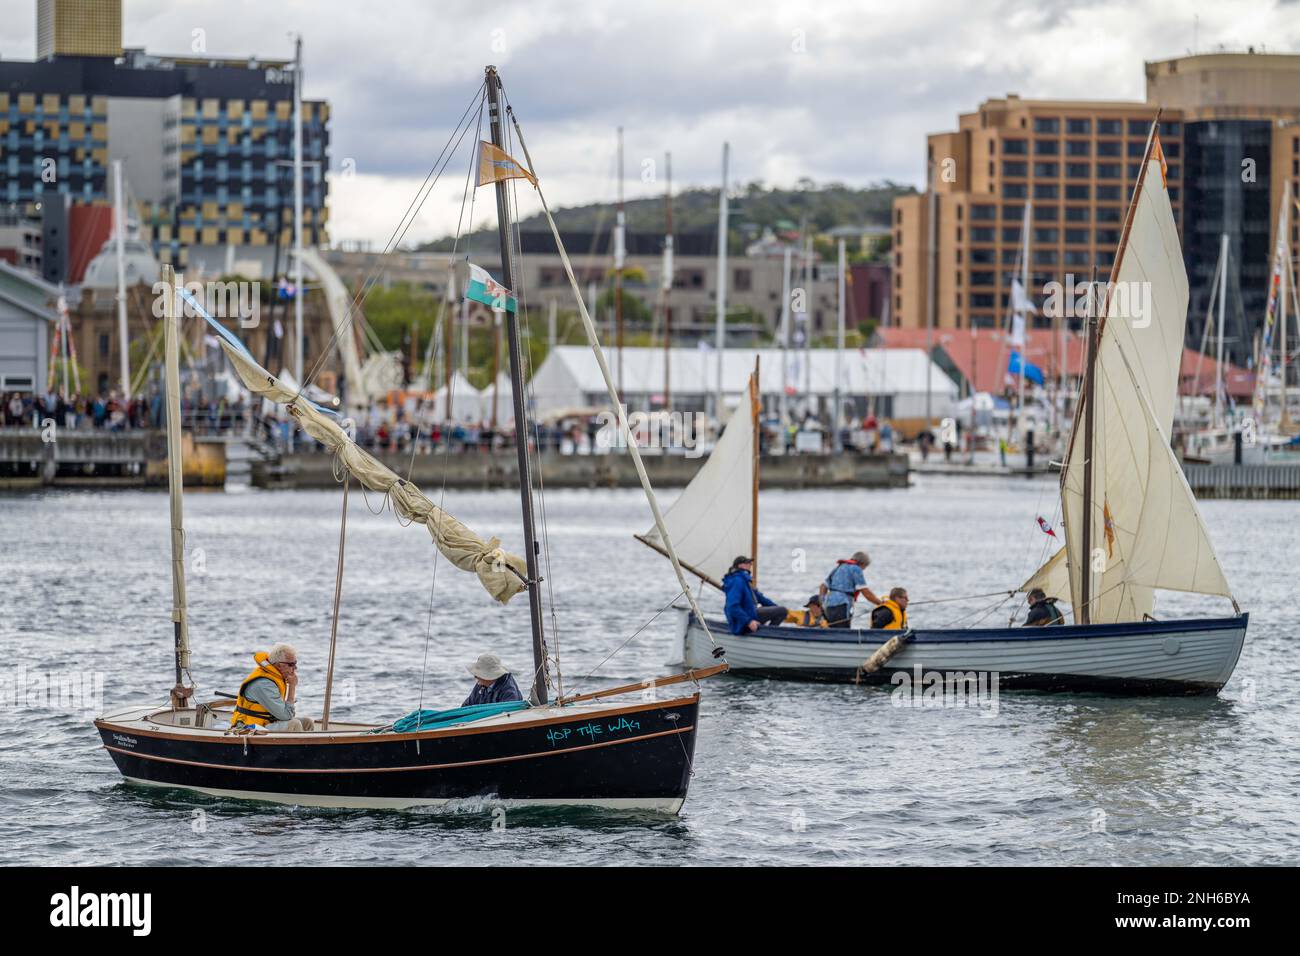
(747, 607)
(891, 613)
(266, 697)
(842, 587)
(1043, 610)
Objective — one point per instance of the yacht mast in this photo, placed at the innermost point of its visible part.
(517, 390)
(667, 281)
(620, 260)
(119, 245)
(172, 378)
(1218, 360)
(721, 342)
(297, 212)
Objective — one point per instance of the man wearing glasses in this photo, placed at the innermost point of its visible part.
(266, 697)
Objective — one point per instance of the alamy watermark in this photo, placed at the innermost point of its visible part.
(1128, 301)
(662, 429)
(54, 691)
(922, 688)
(234, 299)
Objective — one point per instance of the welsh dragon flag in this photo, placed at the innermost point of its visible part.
(483, 288)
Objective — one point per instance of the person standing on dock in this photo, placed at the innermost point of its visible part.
(841, 589)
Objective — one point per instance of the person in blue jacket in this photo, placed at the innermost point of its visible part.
(747, 607)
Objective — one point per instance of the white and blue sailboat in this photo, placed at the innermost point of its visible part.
(1131, 521)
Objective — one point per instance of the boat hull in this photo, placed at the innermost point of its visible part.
(1148, 657)
(634, 756)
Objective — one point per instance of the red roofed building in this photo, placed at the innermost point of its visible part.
(981, 355)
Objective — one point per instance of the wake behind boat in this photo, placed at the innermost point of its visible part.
(581, 749)
(1132, 523)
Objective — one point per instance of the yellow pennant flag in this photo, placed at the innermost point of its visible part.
(496, 164)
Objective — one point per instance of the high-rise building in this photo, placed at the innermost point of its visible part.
(206, 144)
(1230, 129)
(78, 28)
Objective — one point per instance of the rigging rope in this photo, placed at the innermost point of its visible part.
(626, 431)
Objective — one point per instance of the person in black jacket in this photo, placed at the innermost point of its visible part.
(1043, 610)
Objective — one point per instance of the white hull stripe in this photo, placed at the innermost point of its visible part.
(661, 804)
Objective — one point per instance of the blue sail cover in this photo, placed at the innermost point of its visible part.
(425, 719)
(1031, 372)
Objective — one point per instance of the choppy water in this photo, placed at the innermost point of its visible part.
(785, 772)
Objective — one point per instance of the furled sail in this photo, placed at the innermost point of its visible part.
(712, 520)
(501, 574)
(1146, 530)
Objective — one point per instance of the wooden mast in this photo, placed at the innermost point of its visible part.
(620, 256)
(172, 379)
(755, 414)
(667, 280)
(517, 389)
(1084, 615)
(1095, 325)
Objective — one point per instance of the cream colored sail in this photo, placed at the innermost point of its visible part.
(712, 521)
(1146, 532)
(501, 574)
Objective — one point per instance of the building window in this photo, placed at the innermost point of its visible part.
(1078, 147)
(1015, 169)
(982, 212)
(980, 278)
(980, 234)
(1076, 257)
(103, 345)
(1045, 257)
(1077, 170)
(1046, 147)
(1012, 213)
(1046, 213)
(1046, 235)
(1047, 170)
(982, 257)
(1139, 127)
(742, 280)
(1010, 234)
(1076, 237)
(1076, 191)
(1108, 214)
(1009, 256)
(1109, 147)
(1020, 147)
(1108, 193)
(1109, 127)
(1107, 237)
(1108, 170)
(1047, 124)
(1172, 129)
(1014, 191)
(1047, 191)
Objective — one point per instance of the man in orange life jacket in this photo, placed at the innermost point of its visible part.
(841, 589)
(891, 613)
(266, 697)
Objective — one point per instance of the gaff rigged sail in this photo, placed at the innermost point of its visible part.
(502, 575)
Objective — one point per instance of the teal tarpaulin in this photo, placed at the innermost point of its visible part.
(424, 719)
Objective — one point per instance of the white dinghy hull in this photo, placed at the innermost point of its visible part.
(1195, 656)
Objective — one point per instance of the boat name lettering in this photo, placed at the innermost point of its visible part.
(123, 741)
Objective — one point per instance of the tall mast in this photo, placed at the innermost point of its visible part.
(1024, 322)
(721, 342)
(755, 414)
(172, 380)
(667, 281)
(297, 211)
(119, 243)
(620, 259)
(839, 351)
(448, 338)
(785, 336)
(1090, 326)
(1284, 420)
(1218, 360)
(931, 287)
(517, 390)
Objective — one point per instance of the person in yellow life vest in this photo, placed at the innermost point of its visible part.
(891, 613)
(811, 616)
(266, 697)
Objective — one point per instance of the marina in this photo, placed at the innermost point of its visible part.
(537, 446)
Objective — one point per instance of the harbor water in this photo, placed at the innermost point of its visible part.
(783, 773)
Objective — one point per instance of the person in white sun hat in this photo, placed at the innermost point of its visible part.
(493, 683)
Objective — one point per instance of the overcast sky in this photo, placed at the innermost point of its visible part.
(831, 90)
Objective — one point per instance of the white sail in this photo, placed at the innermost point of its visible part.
(1146, 531)
(712, 521)
(501, 574)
